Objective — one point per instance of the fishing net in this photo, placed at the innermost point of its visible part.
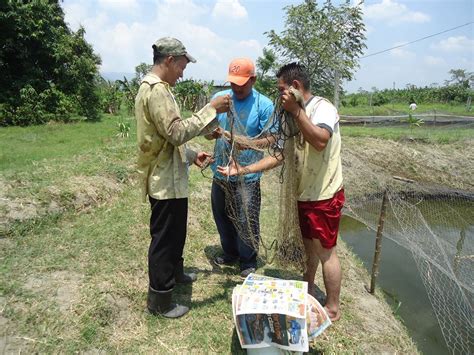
(278, 139)
(432, 222)
(421, 218)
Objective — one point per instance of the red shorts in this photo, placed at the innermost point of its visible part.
(320, 219)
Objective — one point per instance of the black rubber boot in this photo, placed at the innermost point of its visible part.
(159, 303)
(180, 277)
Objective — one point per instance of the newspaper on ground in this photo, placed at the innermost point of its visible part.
(274, 312)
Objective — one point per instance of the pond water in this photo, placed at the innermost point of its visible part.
(400, 280)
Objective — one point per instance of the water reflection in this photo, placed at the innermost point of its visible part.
(399, 278)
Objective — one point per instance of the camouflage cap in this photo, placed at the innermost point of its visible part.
(171, 46)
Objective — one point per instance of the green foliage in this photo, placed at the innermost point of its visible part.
(266, 67)
(141, 70)
(192, 94)
(353, 101)
(379, 99)
(47, 71)
(129, 88)
(124, 129)
(414, 121)
(461, 77)
(451, 94)
(38, 108)
(326, 39)
(110, 96)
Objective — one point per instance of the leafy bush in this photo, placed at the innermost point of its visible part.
(192, 94)
(446, 94)
(110, 96)
(380, 98)
(47, 71)
(38, 108)
(354, 101)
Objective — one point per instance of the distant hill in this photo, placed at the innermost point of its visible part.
(112, 76)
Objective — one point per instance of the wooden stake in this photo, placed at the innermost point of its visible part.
(378, 243)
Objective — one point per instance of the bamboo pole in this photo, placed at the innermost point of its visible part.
(378, 243)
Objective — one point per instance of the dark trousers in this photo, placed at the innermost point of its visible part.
(168, 223)
(242, 197)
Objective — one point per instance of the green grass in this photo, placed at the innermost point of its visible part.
(55, 140)
(75, 279)
(402, 109)
(427, 134)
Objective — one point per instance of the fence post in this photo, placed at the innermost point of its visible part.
(434, 117)
(378, 243)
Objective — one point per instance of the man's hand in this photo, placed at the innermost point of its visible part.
(217, 133)
(238, 140)
(221, 103)
(232, 169)
(290, 103)
(203, 159)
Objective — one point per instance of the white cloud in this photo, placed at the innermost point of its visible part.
(401, 52)
(232, 9)
(75, 14)
(434, 61)
(128, 6)
(455, 44)
(125, 41)
(250, 44)
(174, 12)
(393, 13)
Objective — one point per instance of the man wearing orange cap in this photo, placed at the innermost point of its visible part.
(319, 187)
(253, 111)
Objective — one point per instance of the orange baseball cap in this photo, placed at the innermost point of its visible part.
(240, 71)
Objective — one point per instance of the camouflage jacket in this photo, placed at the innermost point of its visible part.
(162, 155)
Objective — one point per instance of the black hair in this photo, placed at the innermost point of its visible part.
(294, 71)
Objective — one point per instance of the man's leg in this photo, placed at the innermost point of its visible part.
(168, 233)
(248, 198)
(319, 223)
(224, 225)
(312, 262)
(332, 276)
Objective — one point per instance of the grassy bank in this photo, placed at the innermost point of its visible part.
(73, 257)
(403, 109)
(426, 134)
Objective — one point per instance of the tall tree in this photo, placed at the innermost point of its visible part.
(43, 61)
(460, 77)
(327, 39)
(266, 65)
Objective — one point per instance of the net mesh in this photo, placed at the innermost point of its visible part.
(423, 219)
(433, 222)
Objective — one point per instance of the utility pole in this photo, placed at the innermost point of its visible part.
(393, 96)
(336, 88)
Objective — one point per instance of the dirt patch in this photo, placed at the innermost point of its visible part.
(13, 345)
(3, 320)
(80, 193)
(120, 307)
(60, 286)
(445, 165)
(11, 209)
(85, 192)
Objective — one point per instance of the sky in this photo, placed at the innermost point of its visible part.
(216, 31)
